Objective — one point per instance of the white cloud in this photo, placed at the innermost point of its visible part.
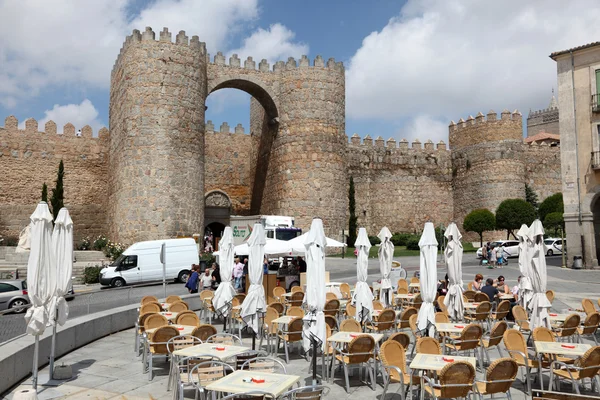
(452, 58)
(79, 115)
(424, 127)
(273, 44)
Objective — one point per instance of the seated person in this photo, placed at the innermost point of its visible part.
(515, 289)
(502, 287)
(477, 284)
(443, 286)
(490, 289)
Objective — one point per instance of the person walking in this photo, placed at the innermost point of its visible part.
(216, 276)
(206, 280)
(192, 281)
(493, 258)
(238, 272)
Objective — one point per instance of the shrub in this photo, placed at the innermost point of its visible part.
(551, 204)
(9, 241)
(413, 244)
(92, 274)
(374, 240)
(114, 250)
(85, 244)
(400, 239)
(207, 257)
(100, 243)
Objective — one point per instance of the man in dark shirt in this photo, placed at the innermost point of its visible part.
(301, 264)
(489, 289)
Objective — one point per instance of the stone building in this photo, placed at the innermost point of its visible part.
(163, 171)
(578, 101)
(545, 120)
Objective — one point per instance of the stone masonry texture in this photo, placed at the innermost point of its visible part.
(148, 178)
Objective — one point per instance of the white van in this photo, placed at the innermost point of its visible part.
(140, 263)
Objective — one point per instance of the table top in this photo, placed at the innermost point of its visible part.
(171, 316)
(450, 328)
(471, 305)
(376, 313)
(165, 305)
(432, 362)
(211, 349)
(286, 319)
(186, 329)
(275, 384)
(333, 283)
(404, 296)
(571, 349)
(347, 337)
(506, 296)
(288, 294)
(558, 317)
(414, 285)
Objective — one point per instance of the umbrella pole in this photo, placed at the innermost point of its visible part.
(314, 359)
(52, 349)
(34, 372)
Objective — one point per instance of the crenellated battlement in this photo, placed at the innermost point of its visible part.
(11, 125)
(390, 144)
(264, 66)
(480, 119)
(483, 129)
(209, 127)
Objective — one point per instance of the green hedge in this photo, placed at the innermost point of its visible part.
(92, 274)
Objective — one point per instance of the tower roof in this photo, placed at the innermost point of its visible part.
(553, 102)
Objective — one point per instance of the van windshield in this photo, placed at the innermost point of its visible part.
(118, 261)
(287, 233)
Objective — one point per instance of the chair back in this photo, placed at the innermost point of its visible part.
(377, 305)
(393, 355)
(482, 312)
(401, 338)
(204, 331)
(350, 310)
(569, 327)
(470, 294)
(440, 303)
(457, 373)
(590, 325)
(208, 371)
(295, 311)
(297, 298)
(142, 320)
(225, 338)
(515, 342)
(240, 297)
(332, 307)
(330, 296)
(331, 322)
(521, 317)
(270, 315)
(278, 306)
(360, 349)
(412, 322)
(296, 289)
(405, 317)
(315, 392)
(294, 332)
(265, 364)
(206, 294)
(278, 292)
(172, 299)
(480, 296)
(386, 320)
(588, 306)
(440, 317)
(402, 291)
(241, 358)
(350, 325)
(402, 284)
(252, 395)
(470, 337)
(470, 286)
(502, 310)
(160, 338)
(550, 295)
(187, 318)
(590, 363)
(182, 342)
(155, 321)
(414, 279)
(417, 301)
(149, 299)
(497, 333)
(345, 289)
(543, 334)
(503, 370)
(428, 345)
(150, 308)
(178, 306)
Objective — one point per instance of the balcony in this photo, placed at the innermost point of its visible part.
(596, 103)
(596, 160)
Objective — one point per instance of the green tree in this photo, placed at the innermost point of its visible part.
(554, 221)
(531, 197)
(480, 220)
(45, 192)
(512, 213)
(57, 199)
(551, 204)
(353, 220)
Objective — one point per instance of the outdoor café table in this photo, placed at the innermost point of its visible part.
(435, 363)
(165, 306)
(414, 287)
(286, 319)
(450, 329)
(402, 297)
(559, 349)
(557, 318)
(212, 349)
(347, 337)
(505, 296)
(275, 384)
(171, 316)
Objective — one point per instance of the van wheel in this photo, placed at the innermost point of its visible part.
(117, 282)
(183, 276)
(550, 252)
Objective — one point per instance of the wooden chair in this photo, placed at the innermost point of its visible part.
(469, 340)
(350, 311)
(269, 329)
(586, 367)
(441, 305)
(139, 331)
(405, 317)
(384, 322)
(402, 284)
(187, 318)
(401, 338)
(358, 352)
(428, 345)
(569, 328)
(550, 295)
(240, 297)
(296, 289)
(330, 296)
(494, 338)
(291, 335)
(414, 279)
(332, 307)
(295, 312)
(172, 299)
(241, 359)
(278, 292)
(278, 306)
(150, 308)
(470, 295)
(155, 321)
(499, 377)
(206, 372)
(207, 309)
(225, 338)
(470, 286)
(521, 318)
(235, 316)
(178, 307)
(251, 395)
(149, 299)
(314, 392)
(417, 301)
(454, 380)
(174, 344)
(588, 306)
(501, 311)
(264, 364)
(346, 292)
(331, 322)
(543, 334)
(480, 297)
(393, 360)
(377, 305)
(517, 349)
(440, 317)
(296, 299)
(350, 325)
(157, 346)
(204, 331)
(590, 326)
(481, 314)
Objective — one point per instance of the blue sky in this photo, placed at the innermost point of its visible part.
(411, 66)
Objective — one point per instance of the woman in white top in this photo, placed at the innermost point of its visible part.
(493, 257)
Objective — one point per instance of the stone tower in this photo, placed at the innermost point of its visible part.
(487, 161)
(157, 108)
(545, 120)
(157, 95)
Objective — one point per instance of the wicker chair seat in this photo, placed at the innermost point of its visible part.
(346, 359)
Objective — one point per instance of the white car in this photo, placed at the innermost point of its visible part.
(511, 248)
(553, 246)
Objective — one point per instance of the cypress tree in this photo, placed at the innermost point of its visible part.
(45, 192)
(353, 220)
(57, 200)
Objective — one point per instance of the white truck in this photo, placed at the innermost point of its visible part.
(276, 227)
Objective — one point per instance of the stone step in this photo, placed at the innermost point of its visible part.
(10, 256)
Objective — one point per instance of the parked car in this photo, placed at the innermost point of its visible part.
(511, 247)
(13, 293)
(553, 246)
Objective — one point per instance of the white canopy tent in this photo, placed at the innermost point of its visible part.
(298, 248)
(225, 291)
(271, 247)
(525, 289)
(454, 254)
(255, 301)
(363, 297)
(385, 254)
(428, 267)
(539, 304)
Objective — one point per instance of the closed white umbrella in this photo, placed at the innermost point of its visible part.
(385, 254)
(315, 283)
(62, 243)
(428, 245)
(40, 269)
(525, 288)
(539, 304)
(225, 291)
(363, 297)
(454, 254)
(255, 300)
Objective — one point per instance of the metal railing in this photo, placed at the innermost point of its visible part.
(596, 102)
(595, 159)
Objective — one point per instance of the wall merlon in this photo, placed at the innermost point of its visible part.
(491, 115)
(416, 144)
(403, 144)
(355, 139)
(11, 123)
(195, 43)
(239, 129)
(429, 145)
(165, 35)
(291, 63)
(379, 142)
(86, 132)
(368, 141)
(50, 127)
(441, 146)
(505, 115)
(470, 120)
(234, 61)
(461, 123)
(391, 143)
(209, 126)
(136, 36)
(224, 128)
(148, 34)
(264, 66)
(331, 63)
(219, 59)
(304, 61)
(279, 66)
(181, 38)
(31, 125)
(250, 63)
(516, 115)
(319, 62)
(69, 129)
(479, 118)
(103, 133)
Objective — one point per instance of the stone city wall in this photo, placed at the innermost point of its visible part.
(30, 157)
(542, 169)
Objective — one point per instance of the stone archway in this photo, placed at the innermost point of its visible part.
(217, 208)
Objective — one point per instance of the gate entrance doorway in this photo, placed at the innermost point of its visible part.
(217, 209)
